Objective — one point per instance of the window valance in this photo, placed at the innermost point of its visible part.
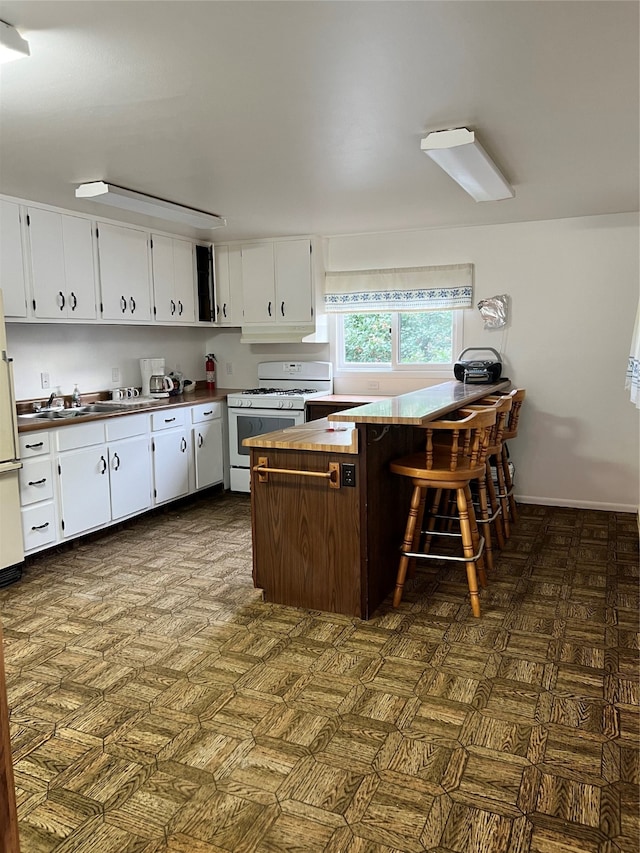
(405, 289)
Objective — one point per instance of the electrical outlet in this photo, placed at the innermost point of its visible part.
(115, 375)
(44, 381)
(372, 385)
(229, 368)
(348, 474)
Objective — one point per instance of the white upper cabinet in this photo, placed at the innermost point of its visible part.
(12, 268)
(173, 279)
(294, 284)
(62, 268)
(277, 285)
(123, 258)
(228, 285)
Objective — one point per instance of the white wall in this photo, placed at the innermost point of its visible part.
(86, 354)
(573, 286)
(237, 364)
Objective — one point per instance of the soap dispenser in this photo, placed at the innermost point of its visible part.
(75, 397)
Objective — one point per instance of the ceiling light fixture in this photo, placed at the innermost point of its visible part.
(462, 157)
(149, 205)
(12, 45)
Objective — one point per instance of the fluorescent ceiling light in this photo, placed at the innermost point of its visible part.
(12, 45)
(148, 204)
(462, 157)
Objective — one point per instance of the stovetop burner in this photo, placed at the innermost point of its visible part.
(280, 391)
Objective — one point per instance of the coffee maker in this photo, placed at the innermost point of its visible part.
(153, 367)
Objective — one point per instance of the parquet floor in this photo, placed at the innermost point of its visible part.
(157, 704)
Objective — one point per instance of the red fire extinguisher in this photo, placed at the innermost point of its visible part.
(210, 370)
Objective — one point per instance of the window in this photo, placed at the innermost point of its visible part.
(394, 340)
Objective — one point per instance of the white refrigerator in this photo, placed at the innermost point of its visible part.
(11, 542)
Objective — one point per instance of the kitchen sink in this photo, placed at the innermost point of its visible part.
(67, 414)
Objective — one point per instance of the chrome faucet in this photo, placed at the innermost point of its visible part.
(38, 407)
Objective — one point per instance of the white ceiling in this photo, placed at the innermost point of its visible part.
(306, 117)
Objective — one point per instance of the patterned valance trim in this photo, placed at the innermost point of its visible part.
(405, 289)
(400, 300)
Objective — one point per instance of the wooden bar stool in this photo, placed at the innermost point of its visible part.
(450, 465)
(501, 463)
(496, 517)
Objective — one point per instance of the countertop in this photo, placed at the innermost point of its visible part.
(350, 398)
(200, 395)
(317, 435)
(419, 407)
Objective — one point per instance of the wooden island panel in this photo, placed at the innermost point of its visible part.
(306, 535)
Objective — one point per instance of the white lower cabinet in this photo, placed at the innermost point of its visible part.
(129, 477)
(170, 454)
(106, 480)
(207, 453)
(84, 490)
(37, 493)
(129, 465)
(207, 444)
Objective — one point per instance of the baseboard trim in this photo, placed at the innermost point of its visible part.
(574, 504)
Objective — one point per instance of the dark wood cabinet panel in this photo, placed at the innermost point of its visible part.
(306, 535)
(9, 842)
(315, 411)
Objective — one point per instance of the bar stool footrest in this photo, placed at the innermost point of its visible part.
(420, 556)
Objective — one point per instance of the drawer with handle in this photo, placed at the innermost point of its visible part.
(34, 443)
(39, 525)
(167, 419)
(205, 412)
(36, 481)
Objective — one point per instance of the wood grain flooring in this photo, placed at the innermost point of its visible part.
(157, 704)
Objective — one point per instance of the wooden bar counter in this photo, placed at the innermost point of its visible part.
(327, 514)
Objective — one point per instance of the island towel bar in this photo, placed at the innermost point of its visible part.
(263, 472)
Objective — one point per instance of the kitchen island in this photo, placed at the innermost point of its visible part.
(327, 514)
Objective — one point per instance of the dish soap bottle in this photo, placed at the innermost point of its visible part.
(75, 397)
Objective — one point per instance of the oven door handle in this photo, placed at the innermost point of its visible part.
(262, 470)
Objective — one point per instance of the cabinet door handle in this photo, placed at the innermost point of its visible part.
(34, 446)
(183, 444)
(179, 308)
(40, 526)
(208, 413)
(37, 482)
(61, 295)
(74, 301)
(123, 304)
(116, 458)
(282, 309)
(224, 310)
(104, 465)
(269, 308)
(173, 307)
(133, 305)
(200, 440)
(168, 420)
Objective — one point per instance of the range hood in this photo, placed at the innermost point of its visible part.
(268, 333)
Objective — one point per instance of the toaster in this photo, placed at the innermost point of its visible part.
(478, 371)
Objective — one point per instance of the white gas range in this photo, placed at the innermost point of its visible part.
(277, 403)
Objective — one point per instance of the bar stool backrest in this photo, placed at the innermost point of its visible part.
(502, 406)
(468, 439)
(517, 398)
